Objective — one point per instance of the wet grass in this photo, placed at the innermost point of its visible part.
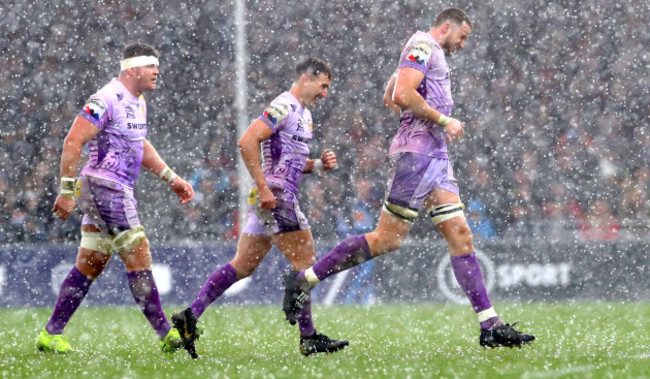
(584, 340)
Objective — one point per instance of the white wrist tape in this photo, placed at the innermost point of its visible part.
(67, 186)
(318, 166)
(443, 120)
(167, 174)
(142, 60)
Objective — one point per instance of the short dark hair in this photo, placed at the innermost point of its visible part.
(136, 49)
(314, 67)
(456, 15)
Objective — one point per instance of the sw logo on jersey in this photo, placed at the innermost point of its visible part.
(276, 113)
(419, 53)
(95, 108)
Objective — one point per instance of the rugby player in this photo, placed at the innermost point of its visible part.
(113, 124)
(421, 176)
(284, 131)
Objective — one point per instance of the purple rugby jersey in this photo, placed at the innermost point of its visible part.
(415, 135)
(285, 153)
(116, 151)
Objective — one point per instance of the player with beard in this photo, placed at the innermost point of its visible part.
(421, 176)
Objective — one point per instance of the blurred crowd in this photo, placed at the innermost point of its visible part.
(555, 98)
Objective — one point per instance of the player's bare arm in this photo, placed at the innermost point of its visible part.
(407, 97)
(249, 148)
(152, 161)
(80, 132)
(326, 162)
(388, 96)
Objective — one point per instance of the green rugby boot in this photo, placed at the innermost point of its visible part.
(171, 342)
(53, 343)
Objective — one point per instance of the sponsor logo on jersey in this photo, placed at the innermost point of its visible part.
(95, 108)
(301, 139)
(129, 112)
(130, 125)
(419, 53)
(276, 113)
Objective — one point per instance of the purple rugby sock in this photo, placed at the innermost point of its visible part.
(219, 281)
(74, 288)
(145, 292)
(347, 254)
(468, 274)
(305, 323)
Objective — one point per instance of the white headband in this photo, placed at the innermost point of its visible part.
(142, 60)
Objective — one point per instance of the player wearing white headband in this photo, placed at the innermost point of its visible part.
(140, 60)
(113, 124)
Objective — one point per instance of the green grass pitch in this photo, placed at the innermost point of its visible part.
(574, 340)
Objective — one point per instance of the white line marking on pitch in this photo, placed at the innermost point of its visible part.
(560, 372)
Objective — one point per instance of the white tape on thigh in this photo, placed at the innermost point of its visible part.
(97, 242)
(446, 212)
(486, 314)
(406, 214)
(128, 238)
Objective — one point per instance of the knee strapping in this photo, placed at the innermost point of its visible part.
(128, 238)
(407, 214)
(97, 242)
(446, 212)
(112, 244)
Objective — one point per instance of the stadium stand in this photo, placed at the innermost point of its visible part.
(555, 96)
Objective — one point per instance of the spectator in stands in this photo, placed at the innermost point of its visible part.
(599, 223)
(533, 94)
(477, 220)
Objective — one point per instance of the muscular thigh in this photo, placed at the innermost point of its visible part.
(251, 250)
(388, 235)
(137, 258)
(91, 263)
(440, 196)
(297, 247)
(455, 230)
(414, 177)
